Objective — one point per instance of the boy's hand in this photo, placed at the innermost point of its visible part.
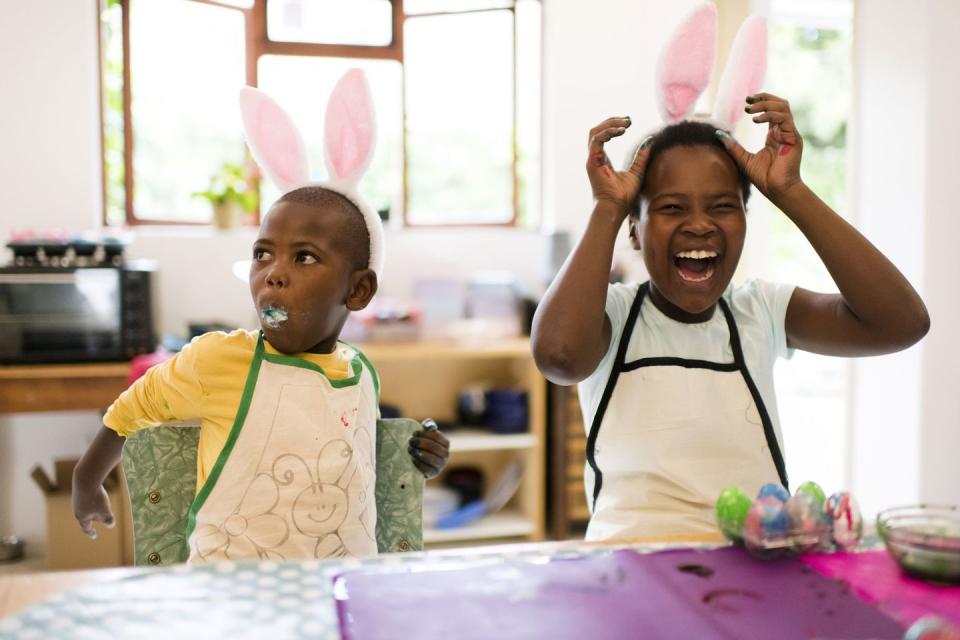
(90, 505)
(621, 188)
(775, 169)
(429, 449)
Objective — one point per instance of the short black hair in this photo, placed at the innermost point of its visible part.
(356, 240)
(690, 133)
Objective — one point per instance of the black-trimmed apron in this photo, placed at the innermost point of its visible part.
(669, 435)
(296, 477)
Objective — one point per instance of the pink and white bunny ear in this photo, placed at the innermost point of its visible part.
(274, 140)
(686, 63)
(349, 128)
(744, 72)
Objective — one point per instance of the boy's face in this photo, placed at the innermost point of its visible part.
(303, 283)
(691, 229)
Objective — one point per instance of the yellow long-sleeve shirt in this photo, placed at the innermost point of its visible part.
(204, 382)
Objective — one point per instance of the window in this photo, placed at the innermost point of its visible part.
(456, 85)
(810, 47)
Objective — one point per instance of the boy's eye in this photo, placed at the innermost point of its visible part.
(261, 255)
(306, 258)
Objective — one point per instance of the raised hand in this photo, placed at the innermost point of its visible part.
(618, 187)
(774, 169)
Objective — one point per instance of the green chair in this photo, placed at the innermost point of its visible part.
(160, 466)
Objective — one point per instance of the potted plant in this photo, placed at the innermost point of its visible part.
(230, 195)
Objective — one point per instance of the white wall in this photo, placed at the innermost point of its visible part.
(906, 412)
(49, 178)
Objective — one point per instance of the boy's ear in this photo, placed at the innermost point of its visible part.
(363, 286)
(634, 232)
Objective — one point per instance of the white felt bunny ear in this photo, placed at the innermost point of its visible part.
(349, 129)
(686, 63)
(744, 72)
(274, 140)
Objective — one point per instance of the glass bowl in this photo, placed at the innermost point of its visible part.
(924, 540)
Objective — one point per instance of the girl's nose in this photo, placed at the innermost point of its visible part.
(699, 222)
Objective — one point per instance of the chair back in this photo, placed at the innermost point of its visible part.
(160, 466)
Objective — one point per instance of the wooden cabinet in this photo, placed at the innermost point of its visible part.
(425, 379)
(569, 513)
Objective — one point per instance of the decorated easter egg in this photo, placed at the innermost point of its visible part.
(732, 507)
(844, 519)
(812, 489)
(807, 523)
(932, 628)
(773, 490)
(766, 528)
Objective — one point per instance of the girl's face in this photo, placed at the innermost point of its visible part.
(691, 229)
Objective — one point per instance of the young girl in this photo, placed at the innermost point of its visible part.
(676, 375)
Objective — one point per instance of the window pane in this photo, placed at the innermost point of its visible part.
(459, 98)
(302, 85)
(356, 22)
(112, 101)
(810, 64)
(528, 112)
(414, 7)
(186, 65)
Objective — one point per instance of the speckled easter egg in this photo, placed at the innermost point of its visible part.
(812, 489)
(766, 525)
(773, 490)
(843, 516)
(732, 507)
(807, 523)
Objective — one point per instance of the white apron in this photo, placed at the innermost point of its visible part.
(295, 479)
(669, 435)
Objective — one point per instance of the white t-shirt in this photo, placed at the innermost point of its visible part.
(759, 309)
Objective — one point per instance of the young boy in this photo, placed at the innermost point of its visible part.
(676, 375)
(286, 455)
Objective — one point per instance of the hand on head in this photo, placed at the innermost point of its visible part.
(775, 168)
(620, 188)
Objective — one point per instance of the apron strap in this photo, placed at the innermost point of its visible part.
(608, 390)
(768, 431)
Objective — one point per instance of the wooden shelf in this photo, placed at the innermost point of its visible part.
(61, 387)
(504, 524)
(463, 440)
(383, 352)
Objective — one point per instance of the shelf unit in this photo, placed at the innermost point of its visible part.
(424, 380)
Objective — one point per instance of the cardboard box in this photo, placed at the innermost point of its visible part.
(67, 546)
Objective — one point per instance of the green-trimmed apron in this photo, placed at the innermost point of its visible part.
(296, 477)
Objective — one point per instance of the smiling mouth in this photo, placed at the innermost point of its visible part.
(696, 266)
(273, 317)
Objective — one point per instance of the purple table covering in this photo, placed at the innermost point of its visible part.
(683, 593)
(875, 577)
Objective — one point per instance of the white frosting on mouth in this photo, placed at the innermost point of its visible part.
(273, 316)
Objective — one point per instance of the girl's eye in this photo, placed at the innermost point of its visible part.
(670, 208)
(725, 205)
(306, 258)
(261, 255)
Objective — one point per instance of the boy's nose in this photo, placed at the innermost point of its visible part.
(277, 279)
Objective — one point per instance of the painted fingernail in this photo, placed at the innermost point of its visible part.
(646, 143)
(621, 129)
(750, 100)
(629, 121)
(723, 135)
(747, 109)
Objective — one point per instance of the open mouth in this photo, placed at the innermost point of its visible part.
(273, 316)
(697, 265)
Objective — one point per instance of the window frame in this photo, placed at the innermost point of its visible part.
(259, 44)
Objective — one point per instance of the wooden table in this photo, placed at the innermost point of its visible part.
(18, 591)
(61, 387)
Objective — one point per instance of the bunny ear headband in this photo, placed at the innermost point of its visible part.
(686, 65)
(349, 131)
